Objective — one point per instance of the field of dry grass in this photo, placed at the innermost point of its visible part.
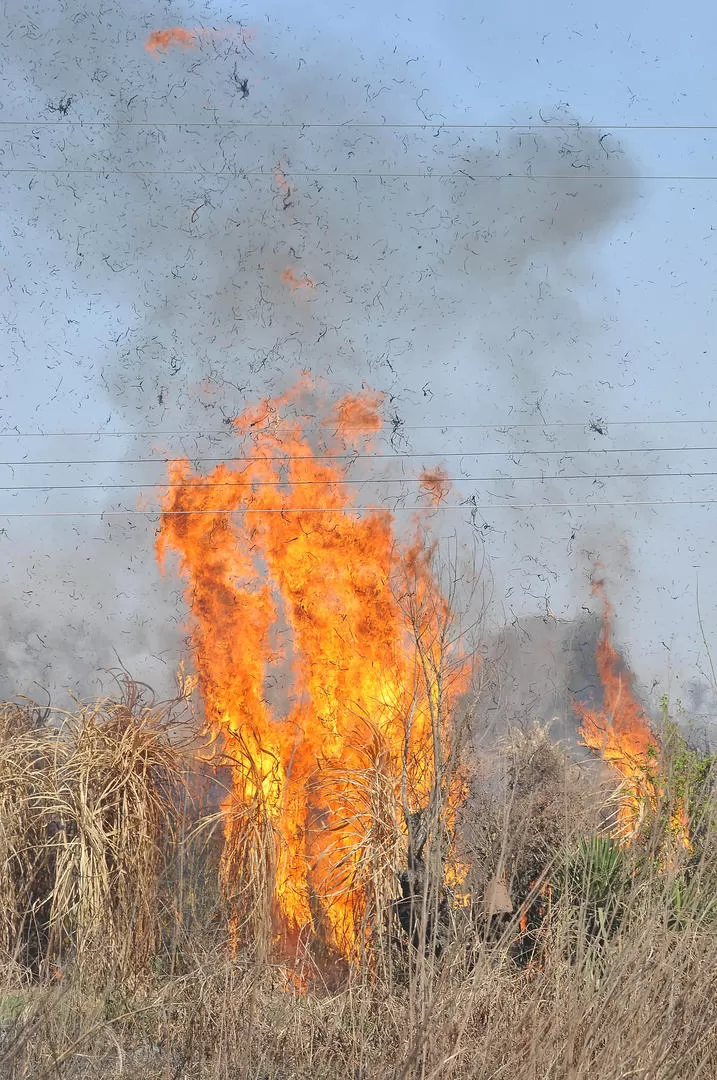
(115, 931)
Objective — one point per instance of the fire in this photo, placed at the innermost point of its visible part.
(289, 278)
(621, 734)
(287, 580)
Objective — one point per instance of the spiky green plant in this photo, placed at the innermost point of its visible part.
(593, 887)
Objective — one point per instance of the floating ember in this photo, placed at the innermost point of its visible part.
(289, 278)
(177, 37)
(435, 484)
(284, 187)
(161, 40)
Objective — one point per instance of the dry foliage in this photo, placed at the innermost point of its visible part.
(86, 815)
(602, 993)
(27, 750)
(529, 804)
(113, 794)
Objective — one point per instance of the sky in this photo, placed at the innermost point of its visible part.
(508, 212)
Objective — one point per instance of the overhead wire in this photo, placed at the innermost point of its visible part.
(229, 430)
(423, 480)
(551, 125)
(461, 174)
(468, 504)
(399, 454)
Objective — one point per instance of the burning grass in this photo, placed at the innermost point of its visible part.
(304, 588)
(341, 888)
(117, 950)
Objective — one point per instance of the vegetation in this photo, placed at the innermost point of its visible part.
(121, 954)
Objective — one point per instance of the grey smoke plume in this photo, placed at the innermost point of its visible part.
(147, 297)
(536, 669)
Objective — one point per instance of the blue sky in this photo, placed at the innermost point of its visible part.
(144, 294)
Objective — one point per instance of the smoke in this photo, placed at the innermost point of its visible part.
(146, 297)
(537, 668)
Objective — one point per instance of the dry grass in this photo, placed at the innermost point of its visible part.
(113, 795)
(27, 750)
(653, 1015)
(247, 872)
(87, 805)
(613, 978)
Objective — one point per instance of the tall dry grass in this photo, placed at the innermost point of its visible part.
(650, 1013)
(87, 811)
(607, 975)
(114, 795)
(27, 753)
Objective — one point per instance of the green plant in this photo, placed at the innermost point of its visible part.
(592, 887)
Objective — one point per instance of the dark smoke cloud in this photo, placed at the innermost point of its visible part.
(163, 298)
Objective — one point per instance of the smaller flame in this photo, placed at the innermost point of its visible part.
(289, 278)
(620, 733)
(292, 982)
(456, 877)
(543, 899)
(680, 825)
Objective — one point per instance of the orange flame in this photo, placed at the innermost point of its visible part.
(286, 581)
(289, 278)
(621, 734)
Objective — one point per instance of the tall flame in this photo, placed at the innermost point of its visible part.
(284, 575)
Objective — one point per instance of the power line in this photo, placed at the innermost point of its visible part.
(230, 431)
(426, 481)
(227, 460)
(467, 505)
(461, 174)
(301, 125)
